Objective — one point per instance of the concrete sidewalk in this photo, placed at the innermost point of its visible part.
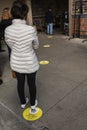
(61, 87)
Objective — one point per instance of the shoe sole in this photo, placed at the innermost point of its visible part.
(34, 111)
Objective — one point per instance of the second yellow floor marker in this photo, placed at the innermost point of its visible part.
(44, 62)
(32, 115)
(46, 45)
(50, 36)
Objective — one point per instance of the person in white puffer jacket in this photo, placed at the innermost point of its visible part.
(22, 39)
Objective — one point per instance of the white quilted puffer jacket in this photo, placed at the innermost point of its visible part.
(22, 39)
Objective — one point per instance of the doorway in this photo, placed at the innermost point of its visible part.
(59, 8)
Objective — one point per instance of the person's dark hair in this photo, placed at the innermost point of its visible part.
(19, 10)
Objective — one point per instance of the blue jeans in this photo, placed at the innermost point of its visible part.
(50, 28)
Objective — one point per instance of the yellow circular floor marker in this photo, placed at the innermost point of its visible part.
(32, 117)
(50, 36)
(44, 62)
(46, 45)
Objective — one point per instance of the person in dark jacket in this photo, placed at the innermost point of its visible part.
(49, 17)
(5, 21)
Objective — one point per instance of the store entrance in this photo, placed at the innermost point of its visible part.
(60, 10)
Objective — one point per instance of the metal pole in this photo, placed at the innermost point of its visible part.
(80, 13)
(74, 20)
(81, 5)
(70, 18)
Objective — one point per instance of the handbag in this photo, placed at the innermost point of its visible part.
(13, 74)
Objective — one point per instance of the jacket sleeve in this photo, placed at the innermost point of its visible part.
(36, 41)
(8, 39)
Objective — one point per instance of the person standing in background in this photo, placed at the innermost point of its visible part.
(49, 18)
(5, 21)
(22, 39)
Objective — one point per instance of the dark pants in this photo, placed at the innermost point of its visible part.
(1, 81)
(31, 78)
(1, 44)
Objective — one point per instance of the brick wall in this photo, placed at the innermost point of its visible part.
(79, 22)
(76, 26)
(79, 27)
(83, 27)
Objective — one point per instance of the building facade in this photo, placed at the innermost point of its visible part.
(79, 18)
(77, 10)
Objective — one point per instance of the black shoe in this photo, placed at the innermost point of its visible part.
(1, 81)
